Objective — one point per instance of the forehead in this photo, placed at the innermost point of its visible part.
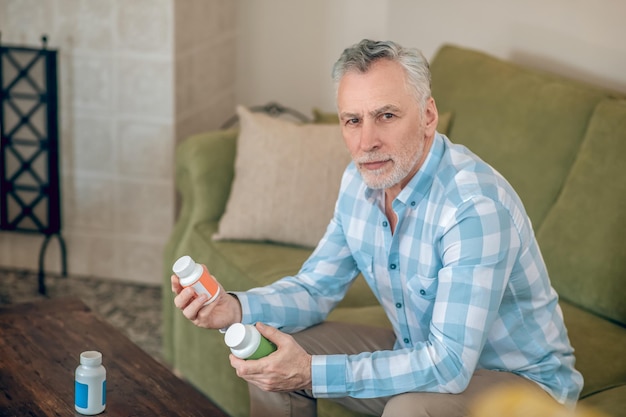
(383, 84)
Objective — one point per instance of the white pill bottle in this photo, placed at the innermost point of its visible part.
(196, 276)
(90, 384)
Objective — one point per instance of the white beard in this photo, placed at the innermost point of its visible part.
(387, 177)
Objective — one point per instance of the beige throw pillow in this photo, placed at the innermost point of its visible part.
(287, 178)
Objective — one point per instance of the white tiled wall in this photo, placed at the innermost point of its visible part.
(135, 77)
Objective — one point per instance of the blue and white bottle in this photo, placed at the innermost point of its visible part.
(90, 384)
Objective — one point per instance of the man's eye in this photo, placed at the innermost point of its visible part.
(352, 121)
(388, 116)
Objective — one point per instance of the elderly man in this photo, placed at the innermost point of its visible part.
(444, 243)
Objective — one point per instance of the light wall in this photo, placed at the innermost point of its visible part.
(134, 76)
(205, 53)
(288, 48)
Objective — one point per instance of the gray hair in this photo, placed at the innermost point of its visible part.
(361, 56)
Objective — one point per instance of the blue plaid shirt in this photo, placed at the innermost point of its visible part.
(462, 282)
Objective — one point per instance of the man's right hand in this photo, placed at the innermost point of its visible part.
(222, 312)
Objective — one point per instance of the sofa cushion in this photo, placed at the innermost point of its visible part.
(241, 265)
(256, 263)
(609, 402)
(598, 347)
(528, 125)
(287, 177)
(582, 238)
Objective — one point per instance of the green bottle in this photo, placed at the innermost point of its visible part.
(245, 342)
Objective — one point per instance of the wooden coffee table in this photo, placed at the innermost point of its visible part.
(40, 345)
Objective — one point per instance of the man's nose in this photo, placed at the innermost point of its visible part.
(370, 139)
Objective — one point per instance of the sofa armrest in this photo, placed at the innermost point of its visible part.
(204, 173)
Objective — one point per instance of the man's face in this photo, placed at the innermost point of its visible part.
(383, 125)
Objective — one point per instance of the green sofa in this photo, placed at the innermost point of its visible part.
(560, 143)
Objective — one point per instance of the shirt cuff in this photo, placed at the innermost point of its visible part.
(328, 375)
(251, 311)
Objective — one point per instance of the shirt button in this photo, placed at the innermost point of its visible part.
(412, 203)
(385, 224)
(399, 305)
(423, 292)
(406, 340)
(392, 266)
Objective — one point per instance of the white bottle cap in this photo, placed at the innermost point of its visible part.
(237, 336)
(91, 358)
(242, 339)
(184, 266)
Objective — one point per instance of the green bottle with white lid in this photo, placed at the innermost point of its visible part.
(245, 342)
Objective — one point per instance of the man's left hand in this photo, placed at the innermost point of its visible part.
(286, 369)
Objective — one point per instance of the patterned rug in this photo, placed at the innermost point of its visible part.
(134, 309)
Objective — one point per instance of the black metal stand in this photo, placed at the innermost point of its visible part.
(29, 147)
(41, 275)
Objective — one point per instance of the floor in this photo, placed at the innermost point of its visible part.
(135, 309)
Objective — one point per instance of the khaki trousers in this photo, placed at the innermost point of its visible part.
(334, 338)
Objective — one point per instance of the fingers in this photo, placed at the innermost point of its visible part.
(189, 302)
(176, 287)
(273, 334)
(222, 312)
(184, 297)
(286, 371)
(237, 363)
(266, 330)
(191, 310)
(252, 371)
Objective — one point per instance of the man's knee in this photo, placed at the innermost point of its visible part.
(424, 404)
(330, 338)
(421, 404)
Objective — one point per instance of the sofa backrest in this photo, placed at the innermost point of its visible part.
(560, 144)
(526, 124)
(582, 238)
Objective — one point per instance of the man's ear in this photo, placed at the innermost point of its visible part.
(431, 117)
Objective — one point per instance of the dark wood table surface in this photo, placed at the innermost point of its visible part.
(40, 345)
